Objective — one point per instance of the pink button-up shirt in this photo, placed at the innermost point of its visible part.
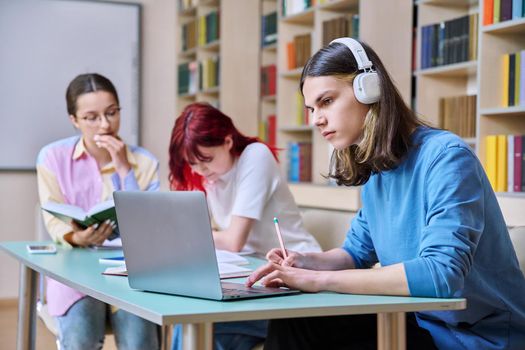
(67, 173)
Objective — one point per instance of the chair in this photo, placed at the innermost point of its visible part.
(329, 227)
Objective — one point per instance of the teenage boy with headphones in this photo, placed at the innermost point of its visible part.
(429, 217)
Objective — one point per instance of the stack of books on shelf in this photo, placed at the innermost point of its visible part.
(505, 162)
(197, 76)
(269, 29)
(299, 161)
(449, 42)
(347, 25)
(496, 11)
(200, 31)
(268, 130)
(209, 28)
(189, 35)
(302, 115)
(268, 80)
(299, 51)
(514, 79)
(458, 115)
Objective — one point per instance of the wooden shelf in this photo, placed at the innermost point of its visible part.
(456, 70)
(214, 91)
(211, 46)
(508, 27)
(298, 128)
(189, 12)
(189, 96)
(341, 5)
(451, 3)
(188, 53)
(503, 111)
(304, 18)
(292, 74)
(271, 47)
(326, 196)
(269, 98)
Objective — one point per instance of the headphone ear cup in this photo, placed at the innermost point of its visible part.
(366, 88)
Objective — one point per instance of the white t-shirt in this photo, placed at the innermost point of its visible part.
(254, 188)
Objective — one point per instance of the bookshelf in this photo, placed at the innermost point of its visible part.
(234, 54)
(198, 48)
(482, 75)
(313, 22)
(496, 116)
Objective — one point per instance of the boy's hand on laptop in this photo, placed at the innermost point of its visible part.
(294, 258)
(93, 235)
(274, 275)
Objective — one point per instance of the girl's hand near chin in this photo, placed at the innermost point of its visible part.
(117, 151)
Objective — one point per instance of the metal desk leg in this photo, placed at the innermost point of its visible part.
(391, 331)
(26, 331)
(197, 336)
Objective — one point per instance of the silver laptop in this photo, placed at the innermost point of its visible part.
(168, 246)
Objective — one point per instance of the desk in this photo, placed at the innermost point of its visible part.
(80, 269)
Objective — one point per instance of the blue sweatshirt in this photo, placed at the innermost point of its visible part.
(437, 214)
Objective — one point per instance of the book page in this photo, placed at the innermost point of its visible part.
(64, 212)
(224, 256)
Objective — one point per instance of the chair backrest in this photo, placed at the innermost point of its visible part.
(517, 236)
(329, 227)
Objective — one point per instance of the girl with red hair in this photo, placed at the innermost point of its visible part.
(245, 191)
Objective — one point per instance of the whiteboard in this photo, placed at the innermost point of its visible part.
(44, 45)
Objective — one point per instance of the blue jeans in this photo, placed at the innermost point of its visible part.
(83, 327)
(243, 335)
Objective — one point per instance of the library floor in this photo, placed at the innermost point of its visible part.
(44, 339)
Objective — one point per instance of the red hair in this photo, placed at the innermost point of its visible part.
(200, 124)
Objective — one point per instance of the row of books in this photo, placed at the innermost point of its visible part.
(458, 114)
(449, 42)
(301, 114)
(268, 80)
(514, 79)
(347, 25)
(268, 130)
(269, 29)
(201, 31)
(505, 162)
(299, 156)
(298, 51)
(496, 11)
(197, 76)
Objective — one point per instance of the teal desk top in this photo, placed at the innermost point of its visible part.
(80, 269)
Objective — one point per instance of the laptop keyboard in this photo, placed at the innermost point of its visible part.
(234, 292)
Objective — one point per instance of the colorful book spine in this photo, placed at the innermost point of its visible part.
(491, 149)
(522, 78)
(522, 163)
(517, 9)
(518, 151)
(501, 163)
(510, 163)
(496, 11)
(488, 12)
(506, 71)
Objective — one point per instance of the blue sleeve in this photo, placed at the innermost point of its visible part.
(130, 182)
(358, 242)
(454, 200)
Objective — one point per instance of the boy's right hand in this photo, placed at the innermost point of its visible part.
(93, 235)
(294, 258)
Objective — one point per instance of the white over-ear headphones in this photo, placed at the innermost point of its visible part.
(366, 84)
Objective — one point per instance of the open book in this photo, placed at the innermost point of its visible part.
(96, 215)
(225, 270)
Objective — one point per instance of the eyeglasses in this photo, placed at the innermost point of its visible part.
(111, 115)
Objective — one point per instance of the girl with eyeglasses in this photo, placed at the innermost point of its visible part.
(84, 170)
(429, 217)
(245, 191)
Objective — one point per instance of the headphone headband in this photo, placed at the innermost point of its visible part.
(363, 63)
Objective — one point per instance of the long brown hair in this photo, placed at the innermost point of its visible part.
(387, 127)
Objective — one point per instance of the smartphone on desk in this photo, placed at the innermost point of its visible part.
(41, 248)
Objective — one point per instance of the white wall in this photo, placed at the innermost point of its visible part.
(18, 190)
